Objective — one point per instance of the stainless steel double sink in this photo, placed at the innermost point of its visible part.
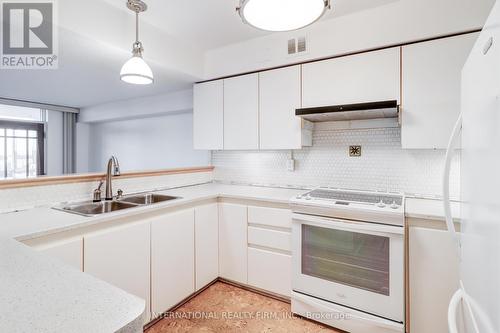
(89, 208)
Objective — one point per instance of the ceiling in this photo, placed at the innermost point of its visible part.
(210, 24)
(95, 39)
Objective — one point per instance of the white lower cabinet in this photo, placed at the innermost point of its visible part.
(172, 259)
(233, 242)
(270, 271)
(68, 251)
(165, 259)
(434, 277)
(269, 249)
(206, 226)
(121, 257)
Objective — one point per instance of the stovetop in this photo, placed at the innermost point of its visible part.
(379, 207)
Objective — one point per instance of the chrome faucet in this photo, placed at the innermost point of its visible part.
(113, 166)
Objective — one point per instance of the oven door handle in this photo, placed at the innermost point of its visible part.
(347, 225)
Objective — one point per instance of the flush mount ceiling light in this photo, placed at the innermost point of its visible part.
(136, 70)
(281, 15)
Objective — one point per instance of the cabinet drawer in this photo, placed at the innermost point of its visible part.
(274, 217)
(270, 271)
(280, 240)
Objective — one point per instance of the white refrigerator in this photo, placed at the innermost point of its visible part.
(475, 307)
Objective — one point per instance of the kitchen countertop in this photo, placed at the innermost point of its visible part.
(430, 209)
(39, 294)
(41, 221)
(61, 299)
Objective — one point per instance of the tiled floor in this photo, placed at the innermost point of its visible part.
(225, 308)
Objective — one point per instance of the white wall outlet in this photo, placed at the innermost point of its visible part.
(290, 164)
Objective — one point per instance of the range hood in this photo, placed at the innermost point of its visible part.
(372, 110)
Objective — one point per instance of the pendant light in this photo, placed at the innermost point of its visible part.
(281, 15)
(136, 70)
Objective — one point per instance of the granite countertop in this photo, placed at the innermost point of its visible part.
(40, 294)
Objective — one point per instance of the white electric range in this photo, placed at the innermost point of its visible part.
(348, 259)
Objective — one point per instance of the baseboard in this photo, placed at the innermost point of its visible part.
(256, 290)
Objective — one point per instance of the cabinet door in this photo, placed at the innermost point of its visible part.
(208, 115)
(279, 96)
(68, 251)
(366, 77)
(206, 244)
(120, 256)
(434, 276)
(431, 90)
(270, 271)
(233, 242)
(241, 112)
(172, 259)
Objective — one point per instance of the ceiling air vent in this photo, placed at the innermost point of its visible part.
(292, 49)
(301, 44)
(297, 45)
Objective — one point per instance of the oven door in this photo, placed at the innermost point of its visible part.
(355, 264)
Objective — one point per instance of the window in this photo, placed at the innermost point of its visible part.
(21, 149)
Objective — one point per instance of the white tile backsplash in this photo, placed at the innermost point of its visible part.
(383, 165)
(28, 197)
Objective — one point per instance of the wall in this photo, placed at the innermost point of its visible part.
(394, 23)
(151, 132)
(149, 143)
(383, 166)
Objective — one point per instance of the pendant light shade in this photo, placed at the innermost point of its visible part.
(136, 70)
(282, 15)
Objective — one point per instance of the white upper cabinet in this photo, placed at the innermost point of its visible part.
(431, 90)
(279, 96)
(366, 77)
(241, 112)
(208, 115)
